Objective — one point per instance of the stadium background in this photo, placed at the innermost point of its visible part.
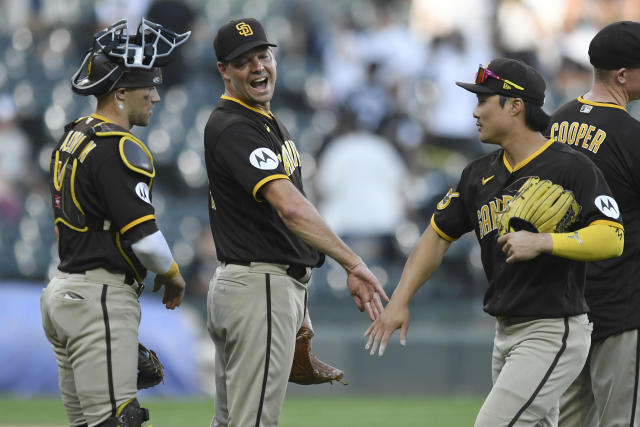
(367, 91)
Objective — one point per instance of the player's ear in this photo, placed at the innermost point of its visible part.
(223, 68)
(516, 106)
(621, 75)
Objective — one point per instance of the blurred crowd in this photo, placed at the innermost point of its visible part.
(366, 88)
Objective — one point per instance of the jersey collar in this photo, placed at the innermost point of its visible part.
(99, 117)
(527, 160)
(257, 110)
(601, 104)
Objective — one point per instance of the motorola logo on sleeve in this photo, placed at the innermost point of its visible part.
(142, 190)
(263, 158)
(608, 206)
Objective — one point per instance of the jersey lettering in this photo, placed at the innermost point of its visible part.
(290, 157)
(72, 141)
(487, 215)
(575, 132)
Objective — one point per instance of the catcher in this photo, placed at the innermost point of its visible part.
(539, 210)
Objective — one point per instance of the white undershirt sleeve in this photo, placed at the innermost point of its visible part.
(154, 253)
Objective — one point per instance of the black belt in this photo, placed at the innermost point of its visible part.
(296, 271)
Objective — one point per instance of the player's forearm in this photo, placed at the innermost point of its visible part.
(154, 253)
(303, 219)
(424, 260)
(595, 242)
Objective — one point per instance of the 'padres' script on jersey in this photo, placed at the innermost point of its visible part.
(487, 215)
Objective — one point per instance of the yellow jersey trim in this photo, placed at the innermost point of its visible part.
(73, 187)
(127, 259)
(100, 117)
(58, 176)
(263, 181)
(528, 159)
(441, 233)
(601, 104)
(73, 227)
(257, 110)
(136, 222)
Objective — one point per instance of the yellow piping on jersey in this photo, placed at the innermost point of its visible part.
(73, 187)
(600, 104)
(257, 110)
(127, 259)
(263, 181)
(99, 117)
(73, 227)
(58, 176)
(441, 233)
(528, 159)
(136, 222)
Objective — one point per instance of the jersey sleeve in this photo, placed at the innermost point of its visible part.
(249, 156)
(126, 195)
(450, 219)
(595, 198)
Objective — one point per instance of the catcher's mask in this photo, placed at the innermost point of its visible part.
(118, 59)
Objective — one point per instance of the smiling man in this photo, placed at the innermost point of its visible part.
(268, 236)
(532, 254)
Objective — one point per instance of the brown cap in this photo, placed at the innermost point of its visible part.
(237, 37)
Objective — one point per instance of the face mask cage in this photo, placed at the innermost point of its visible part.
(150, 47)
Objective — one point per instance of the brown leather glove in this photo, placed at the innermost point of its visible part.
(308, 369)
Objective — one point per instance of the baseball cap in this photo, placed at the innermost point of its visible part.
(237, 37)
(509, 77)
(616, 46)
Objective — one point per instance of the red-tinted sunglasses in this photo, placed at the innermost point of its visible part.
(483, 74)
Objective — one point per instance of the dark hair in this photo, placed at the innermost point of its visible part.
(534, 116)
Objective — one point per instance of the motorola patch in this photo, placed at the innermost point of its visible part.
(263, 158)
(608, 206)
(142, 190)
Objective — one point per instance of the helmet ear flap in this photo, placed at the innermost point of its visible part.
(96, 75)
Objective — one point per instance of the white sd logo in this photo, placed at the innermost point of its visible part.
(608, 206)
(142, 190)
(263, 158)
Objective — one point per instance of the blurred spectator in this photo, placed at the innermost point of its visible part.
(360, 185)
(15, 160)
(450, 59)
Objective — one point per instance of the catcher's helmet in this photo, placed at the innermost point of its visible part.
(118, 59)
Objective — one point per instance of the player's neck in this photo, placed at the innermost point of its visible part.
(521, 145)
(114, 115)
(603, 92)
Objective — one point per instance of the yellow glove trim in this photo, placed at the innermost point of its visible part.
(595, 242)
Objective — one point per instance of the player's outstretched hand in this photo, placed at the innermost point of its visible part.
(524, 245)
(173, 289)
(366, 290)
(394, 316)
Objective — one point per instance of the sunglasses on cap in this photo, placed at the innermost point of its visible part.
(483, 74)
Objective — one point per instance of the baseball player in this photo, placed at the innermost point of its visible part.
(100, 180)
(267, 234)
(536, 277)
(598, 125)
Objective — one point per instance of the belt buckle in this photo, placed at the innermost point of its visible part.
(140, 288)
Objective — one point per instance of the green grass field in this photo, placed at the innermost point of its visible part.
(297, 412)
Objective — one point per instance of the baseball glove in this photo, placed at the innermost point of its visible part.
(539, 206)
(150, 369)
(308, 369)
